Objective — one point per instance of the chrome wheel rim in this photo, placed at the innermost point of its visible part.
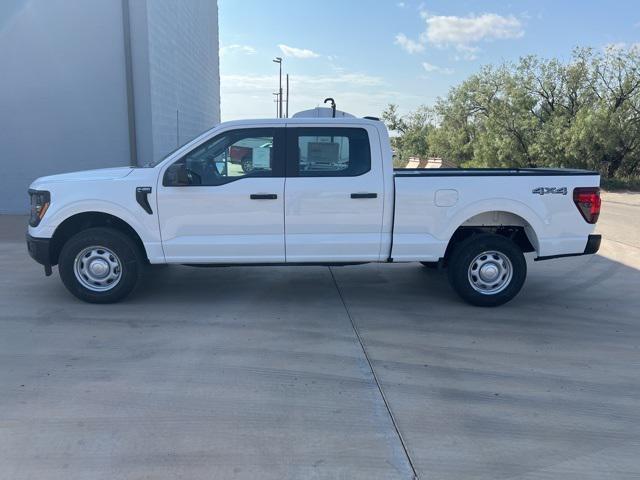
(490, 272)
(97, 268)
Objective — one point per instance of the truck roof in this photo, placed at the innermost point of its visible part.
(301, 120)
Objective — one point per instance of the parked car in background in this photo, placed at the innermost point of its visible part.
(242, 153)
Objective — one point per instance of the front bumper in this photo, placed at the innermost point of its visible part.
(593, 245)
(39, 250)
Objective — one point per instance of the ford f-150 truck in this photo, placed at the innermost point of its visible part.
(321, 191)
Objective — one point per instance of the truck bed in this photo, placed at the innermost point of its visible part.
(430, 204)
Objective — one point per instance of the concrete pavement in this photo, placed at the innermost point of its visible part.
(259, 373)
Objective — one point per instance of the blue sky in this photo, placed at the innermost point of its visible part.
(367, 54)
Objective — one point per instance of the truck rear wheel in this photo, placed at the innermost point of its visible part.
(487, 270)
(100, 265)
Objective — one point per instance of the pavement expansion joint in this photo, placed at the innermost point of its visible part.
(375, 377)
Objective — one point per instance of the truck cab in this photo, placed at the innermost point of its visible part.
(324, 180)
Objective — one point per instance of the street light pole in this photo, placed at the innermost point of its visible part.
(287, 116)
(278, 60)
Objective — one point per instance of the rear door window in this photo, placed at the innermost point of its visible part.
(328, 152)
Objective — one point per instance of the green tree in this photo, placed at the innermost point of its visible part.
(409, 133)
(583, 113)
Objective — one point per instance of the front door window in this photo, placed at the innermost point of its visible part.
(225, 158)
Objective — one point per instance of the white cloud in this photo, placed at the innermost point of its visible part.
(464, 32)
(619, 47)
(466, 52)
(407, 44)
(461, 33)
(251, 96)
(401, 4)
(355, 79)
(269, 82)
(236, 48)
(288, 51)
(431, 68)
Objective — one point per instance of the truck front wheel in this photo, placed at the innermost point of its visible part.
(100, 265)
(487, 270)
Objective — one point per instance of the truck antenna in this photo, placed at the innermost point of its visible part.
(333, 106)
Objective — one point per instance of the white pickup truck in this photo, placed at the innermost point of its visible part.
(320, 191)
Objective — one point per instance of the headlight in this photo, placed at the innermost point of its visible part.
(40, 200)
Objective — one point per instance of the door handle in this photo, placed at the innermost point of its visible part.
(263, 196)
(364, 195)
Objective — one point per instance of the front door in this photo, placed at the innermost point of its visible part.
(334, 195)
(223, 202)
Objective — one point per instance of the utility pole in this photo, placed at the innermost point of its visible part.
(277, 102)
(278, 60)
(287, 116)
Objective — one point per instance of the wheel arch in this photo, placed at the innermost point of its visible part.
(516, 227)
(84, 220)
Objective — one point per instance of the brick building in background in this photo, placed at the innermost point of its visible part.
(102, 83)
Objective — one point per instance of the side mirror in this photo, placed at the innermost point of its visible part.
(176, 175)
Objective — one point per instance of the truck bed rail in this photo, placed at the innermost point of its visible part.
(489, 172)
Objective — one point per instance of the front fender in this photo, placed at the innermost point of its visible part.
(146, 226)
(110, 208)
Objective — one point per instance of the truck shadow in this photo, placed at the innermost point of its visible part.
(594, 283)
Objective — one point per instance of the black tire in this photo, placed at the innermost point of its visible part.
(469, 252)
(128, 257)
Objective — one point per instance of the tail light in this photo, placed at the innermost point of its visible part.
(587, 199)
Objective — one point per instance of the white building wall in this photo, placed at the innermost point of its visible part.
(63, 100)
(183, 72)
(63, 85)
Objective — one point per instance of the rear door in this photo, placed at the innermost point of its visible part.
(223, 202)
(333, 194)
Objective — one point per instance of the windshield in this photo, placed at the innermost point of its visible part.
(164, 157)
(154, 163)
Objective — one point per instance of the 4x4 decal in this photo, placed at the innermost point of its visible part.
(550, 190)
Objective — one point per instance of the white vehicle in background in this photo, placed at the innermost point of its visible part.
(325, 193)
